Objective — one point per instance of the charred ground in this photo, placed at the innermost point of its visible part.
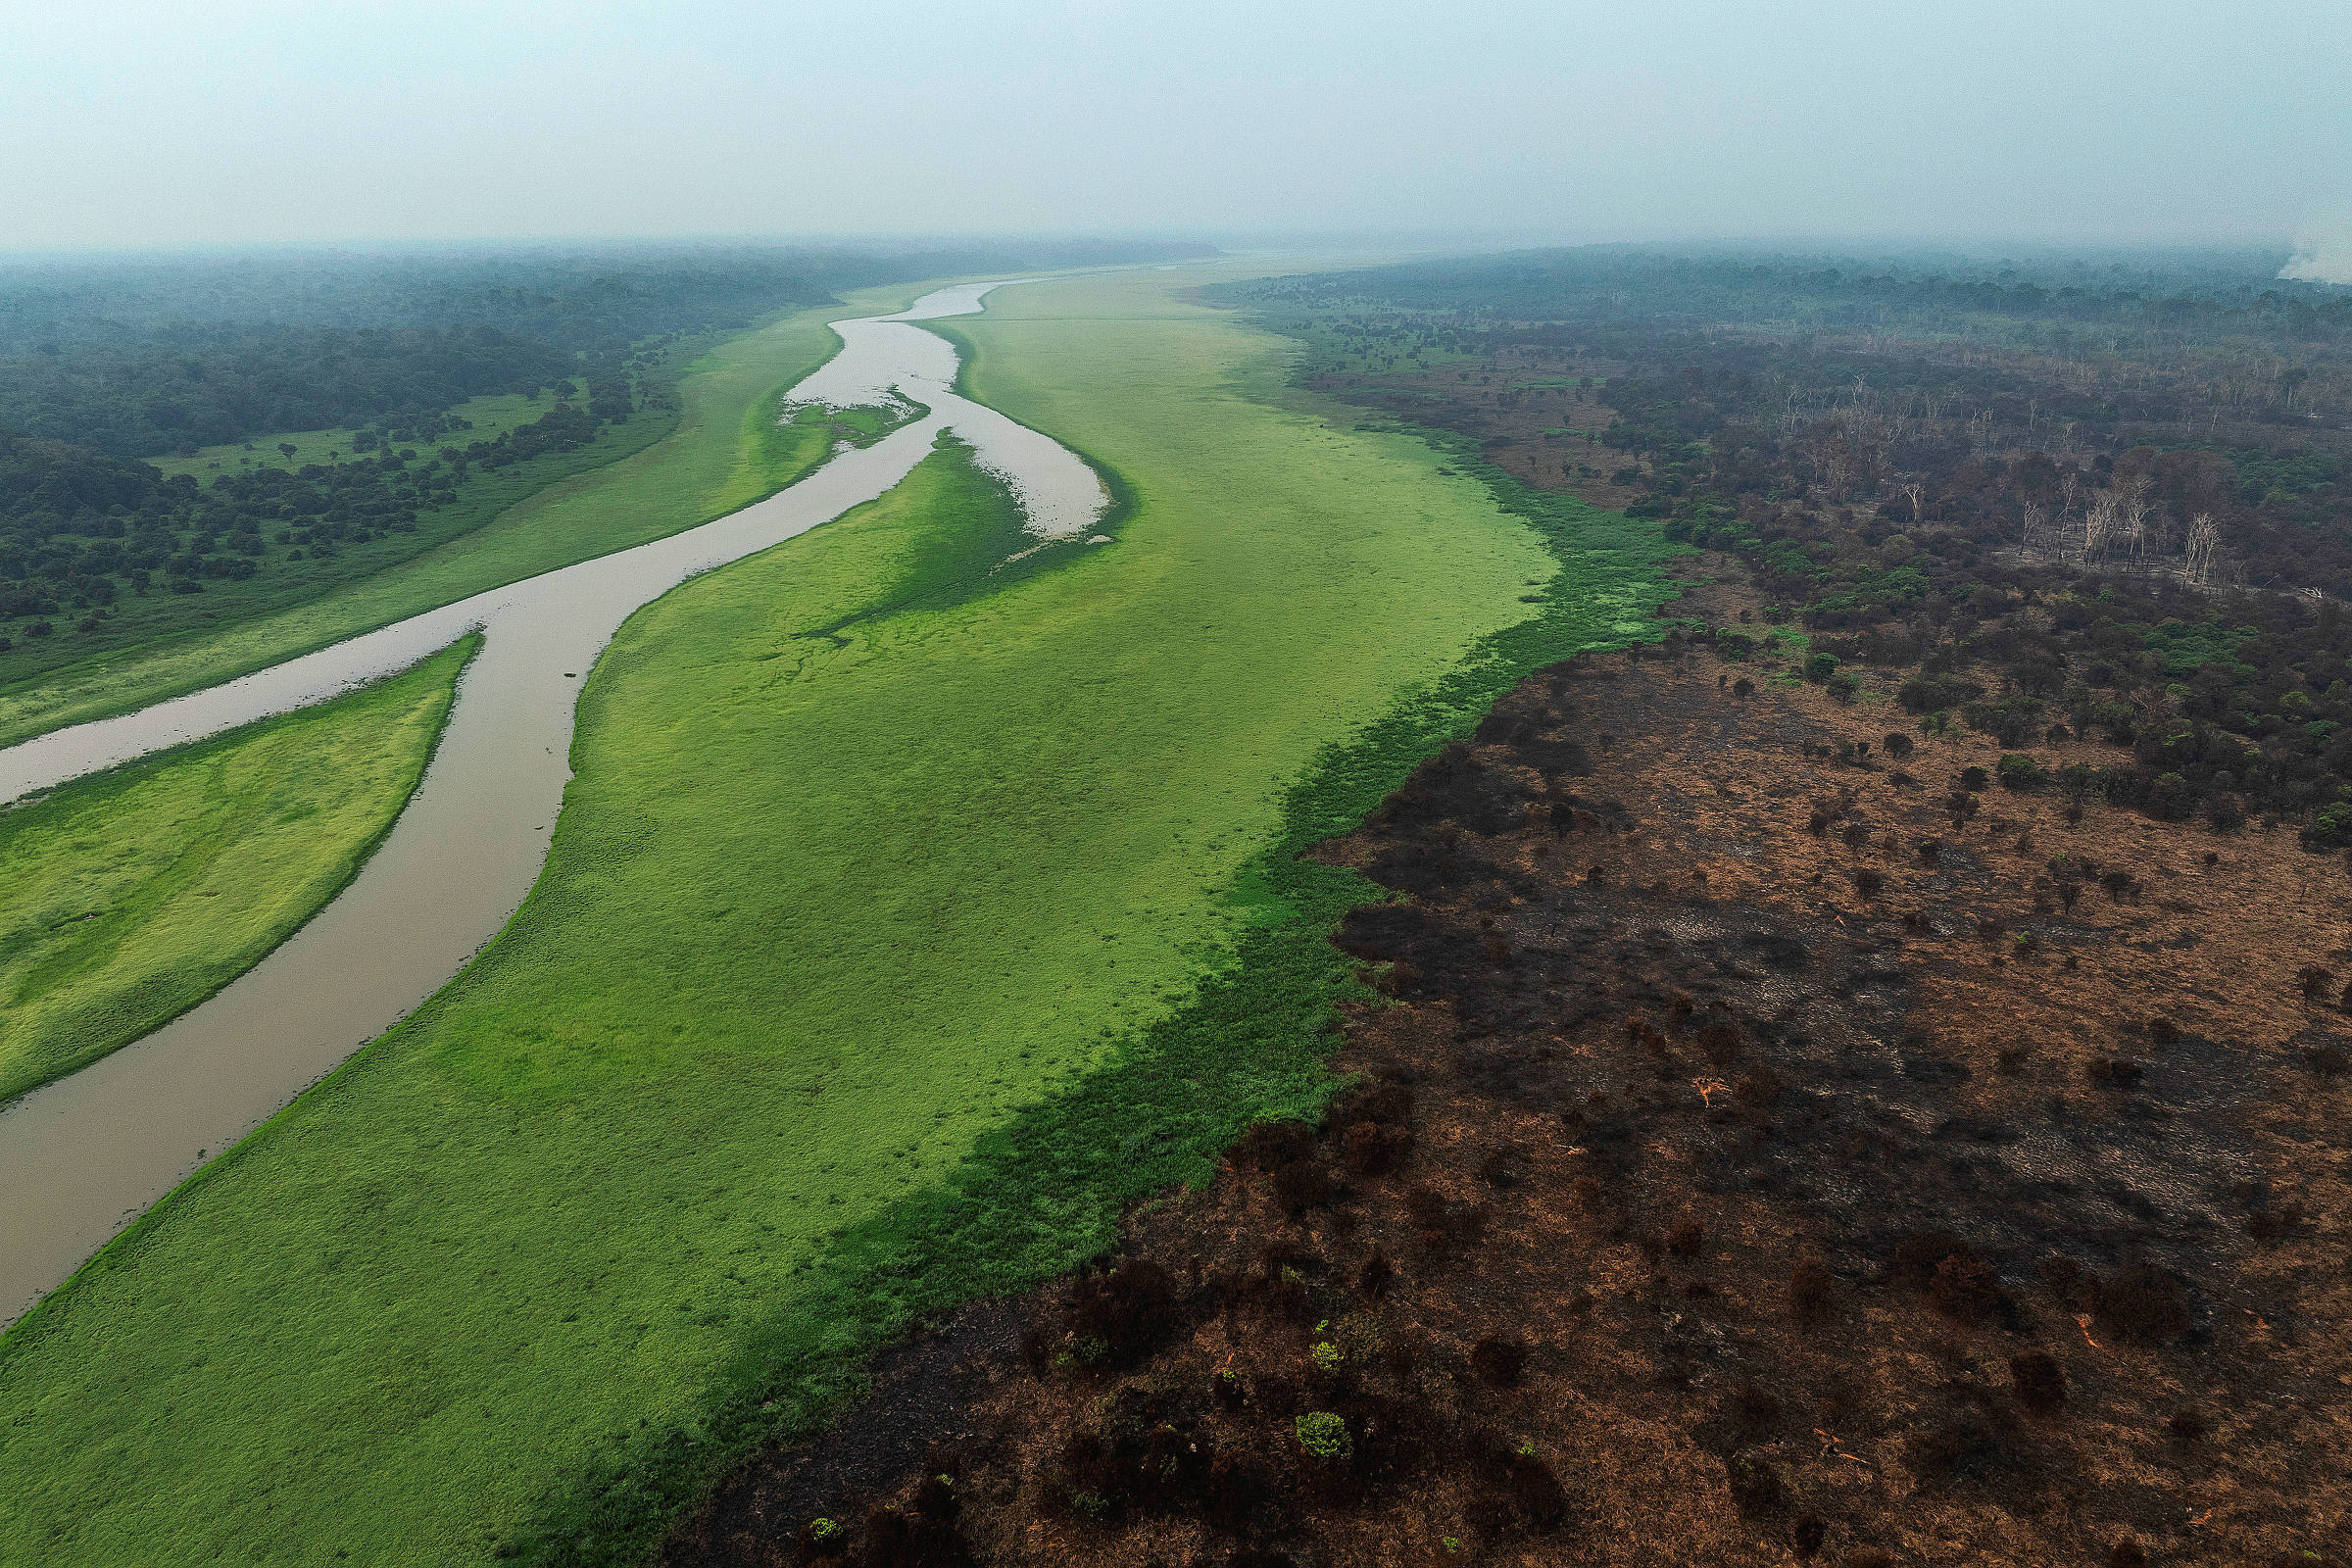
(1762, 1153)
(1817, 1107)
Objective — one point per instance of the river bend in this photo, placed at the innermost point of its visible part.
(81, 1158)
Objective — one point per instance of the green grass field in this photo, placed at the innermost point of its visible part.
(135, 894)
(724, 452)
(491, 418)
(870, 970)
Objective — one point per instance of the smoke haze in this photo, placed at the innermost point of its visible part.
(141, 122)
(2323, 250)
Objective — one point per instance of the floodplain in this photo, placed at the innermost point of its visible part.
(726, 1107)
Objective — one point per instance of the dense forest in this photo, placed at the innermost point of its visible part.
(2094, 495)
(104, 363)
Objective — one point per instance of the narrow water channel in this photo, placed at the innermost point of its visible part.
(83, 1156)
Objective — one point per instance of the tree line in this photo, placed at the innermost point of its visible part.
(2143, 537)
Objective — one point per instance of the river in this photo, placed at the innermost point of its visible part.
(81, 1158)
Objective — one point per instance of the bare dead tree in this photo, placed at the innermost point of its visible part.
(2099, 525)
(2202, 549)
(2132, 508)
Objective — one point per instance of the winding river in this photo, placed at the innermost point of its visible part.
(85, 1156)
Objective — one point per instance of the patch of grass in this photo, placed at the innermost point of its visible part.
(866, 973)
(968, 539)
(135, 894)
(637, 481)
(173, 627)
(489, 419)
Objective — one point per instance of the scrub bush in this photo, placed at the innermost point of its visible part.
(1324, 1437)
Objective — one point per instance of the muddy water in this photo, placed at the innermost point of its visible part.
(81, 1158)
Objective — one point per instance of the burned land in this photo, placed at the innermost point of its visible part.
(1862, 1080)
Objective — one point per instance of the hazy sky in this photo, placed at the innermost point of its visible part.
(170, 122)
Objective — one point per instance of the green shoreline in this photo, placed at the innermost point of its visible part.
(713, 456)
(586, 1159)
(956, 1242)
(338, 877)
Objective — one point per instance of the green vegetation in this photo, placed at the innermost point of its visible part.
(169, 560)
(135, 894)
(1325, 1437)
(965, 926)
(405, 378)
(2111, 493)
(483, 419)
(722, 453)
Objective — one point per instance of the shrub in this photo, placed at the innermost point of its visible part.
(1743, 687)
(1755, 1486)
(1380, 1100)
(1372, 1149)
(1271, 1145)
(927, 1537)
(1301, 1185)
(2115, 1072)
(1428, 1208)
(1233, 1490)
(1499, 1363)
(821, 1538)
(1811, 1530)
(1757, 1411)
(1965, 1288)
(1686, 1237)
(2041, 1381)
(1974, 779)
(1928, 694)
(2011, 720)
(2143, 1303)
(1323, 1437)
(1915, 1257)
(1536, 1491)
(1897, 745)
(1375, 1277)
(2330, 829)
(1811, 1287)
(2063, 1278)
(2020, 772)
(1129, 1308)
(1870, 882)
(1972, 1442)
(1403, 1352)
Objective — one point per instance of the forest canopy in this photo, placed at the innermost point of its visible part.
(2086, 496)
(107, 362)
